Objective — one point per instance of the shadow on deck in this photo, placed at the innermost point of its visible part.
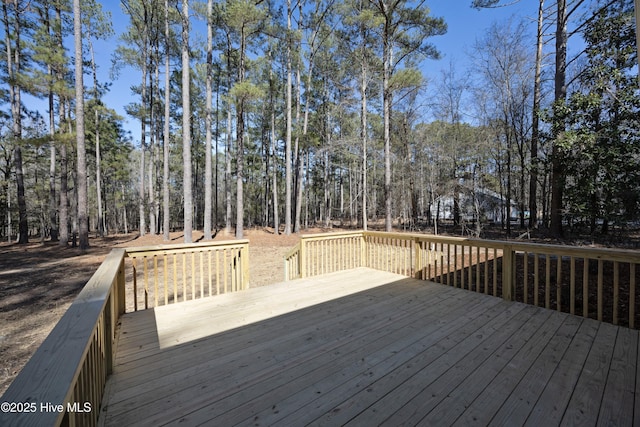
(365, 347)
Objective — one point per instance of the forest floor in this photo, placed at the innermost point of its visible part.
(39, 281)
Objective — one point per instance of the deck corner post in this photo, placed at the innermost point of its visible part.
(417, 258)
(303, 260)
(244, 257)
(508, 271)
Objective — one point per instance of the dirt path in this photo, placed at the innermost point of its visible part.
(39, 282)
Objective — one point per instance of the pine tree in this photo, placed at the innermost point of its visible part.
(81, 175)
(404, 30)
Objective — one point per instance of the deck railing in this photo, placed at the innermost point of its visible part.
(168, 274)
(63, 383)
(592, 282)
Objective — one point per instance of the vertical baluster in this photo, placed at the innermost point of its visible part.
(210, 275)
(525, 260)
(632, 295)
(224, 267)
(462, 267)
(166, 278)
(439, 254)
(234, 270)
(155, 281)
(449, 279)
(471, 268)
(407, 254)
(175, 277)
(193, 275)
(486, 270)
(600, 292)
(428, 261)
(478, 289)
(218, 272)
(495, 272)
(547, 294)
(559, 283)
(455, 266)
(201, 274)
(536, 280)
(572, 286)
(585, 288)
(134, 266)
(616, 290)
(184, 276)
(146, 283)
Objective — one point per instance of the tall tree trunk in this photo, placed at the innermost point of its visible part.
(274, 168)
(227, 175)
(64, 197)
(227, 152)
(143, 149)
(81, 175)
(299, 160)
(167, 117)
(560, 93)
(53, 210)
(287, 148)
(386, 106)
(535, 123)
(209, 98)
(151, 181)
(240, 145)
(186, 127)
(96, 123)
(216, 221)
(13, 70)
(363, 135)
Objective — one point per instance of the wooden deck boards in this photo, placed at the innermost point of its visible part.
(365, 348)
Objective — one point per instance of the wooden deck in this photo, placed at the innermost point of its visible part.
(364, 347)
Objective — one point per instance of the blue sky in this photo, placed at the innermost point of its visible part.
(465, 25)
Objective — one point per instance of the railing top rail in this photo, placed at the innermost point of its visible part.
(292, 251)
(393, 235)
(140, 250)
(51, 372)
(321, 236)
(612, 254)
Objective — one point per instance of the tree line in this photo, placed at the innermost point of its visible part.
(305, 113)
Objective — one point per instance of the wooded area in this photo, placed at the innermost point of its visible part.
(314, 112)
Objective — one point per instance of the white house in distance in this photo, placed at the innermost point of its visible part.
(482, 203)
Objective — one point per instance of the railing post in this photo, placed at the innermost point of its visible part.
(363, 250)
(302, 261)
(110, 325)
(508, 270)
(417, 259)
(121, 288)
(244, 255)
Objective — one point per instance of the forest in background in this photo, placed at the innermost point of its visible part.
(310, 113)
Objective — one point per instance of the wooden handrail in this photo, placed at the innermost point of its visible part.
(64, 380)
(566, 278)
(63, 383)
(166, 274)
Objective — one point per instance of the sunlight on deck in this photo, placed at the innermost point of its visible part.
(363, 347)
(192, 320)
